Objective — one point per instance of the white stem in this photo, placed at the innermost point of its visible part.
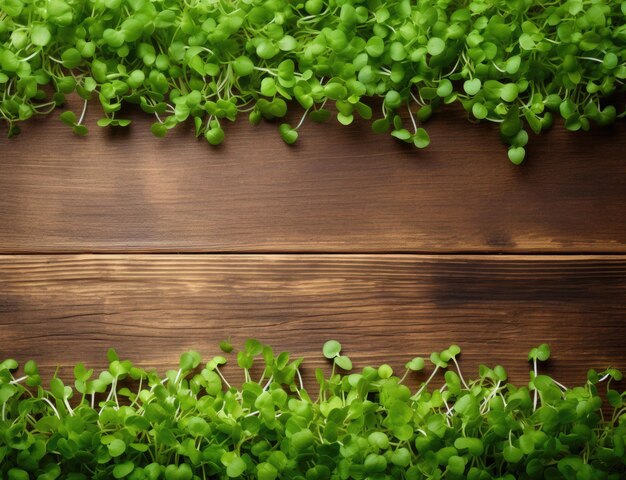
(82, 115)
(458, 369)
(492, 394)
(427, 382)
(69, 408)
(222, 377)
(412, 119)
(139, 391)
(535, 391)
(302, 119)
(590, 58)
(56, 412)
(498, 68)
(267, 385)
(30, 56)
(18, 380)
(416, 99)
(300, 379)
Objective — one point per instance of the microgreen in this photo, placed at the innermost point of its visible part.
(505, 62)
(190, 423)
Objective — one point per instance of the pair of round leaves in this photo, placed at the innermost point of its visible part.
(332, 351)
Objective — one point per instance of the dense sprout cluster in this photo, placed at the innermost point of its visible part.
(514, 62)
(192, 424)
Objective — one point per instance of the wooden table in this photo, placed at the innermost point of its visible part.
(156, 246)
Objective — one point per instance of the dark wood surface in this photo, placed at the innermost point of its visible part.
(64, 309)
(338, 190)
(394, 252)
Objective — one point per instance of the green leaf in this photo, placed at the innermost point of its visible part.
(526, 444)
(345, 119)
(381, 125)
(516, 155)
(402, 134)
(542, 353)
(236, 467)
(393, 99)
(472, 87)
(243, 66)
(189, 360)
(6, 392)
(57, 388)
(509, 92)
(287, 43)
(320, 115)
(331, 349)
(343, 362)
(60, 13)
(444, 88)
(526, 42)
(302, 440)
(479, 111)
(266, 49)
(68, 118)
(435, 46)
(180, 472)
(474, 446)
(40, 35)
(116, 448)
(456, 465)
(80, 130)
(226, 346)
(416, 364)
(158, 130)
(266, 471)
(71, 58)
(214, 135)
(421, 139)
(288, 134)
(122, 470)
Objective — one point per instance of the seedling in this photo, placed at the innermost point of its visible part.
(131, 423)
(182, 61)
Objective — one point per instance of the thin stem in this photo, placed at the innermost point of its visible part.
(408, 108)
(432, 375)
(535, 391)
(302, 119)
(222, 377)
(18, 380)
(458, 369)
(300, 379)
(269, 382)
(82, 115)
(56, 412)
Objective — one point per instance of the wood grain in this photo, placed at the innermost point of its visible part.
(62, 309)
(338, 190)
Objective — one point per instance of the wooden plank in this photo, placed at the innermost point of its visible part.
(63, 309)
(338, 190)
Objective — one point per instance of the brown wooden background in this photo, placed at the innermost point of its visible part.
(154, 246)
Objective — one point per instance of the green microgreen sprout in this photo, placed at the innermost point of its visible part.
(178, 61)
(332, 351)
(127, 422)
(542, 354)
